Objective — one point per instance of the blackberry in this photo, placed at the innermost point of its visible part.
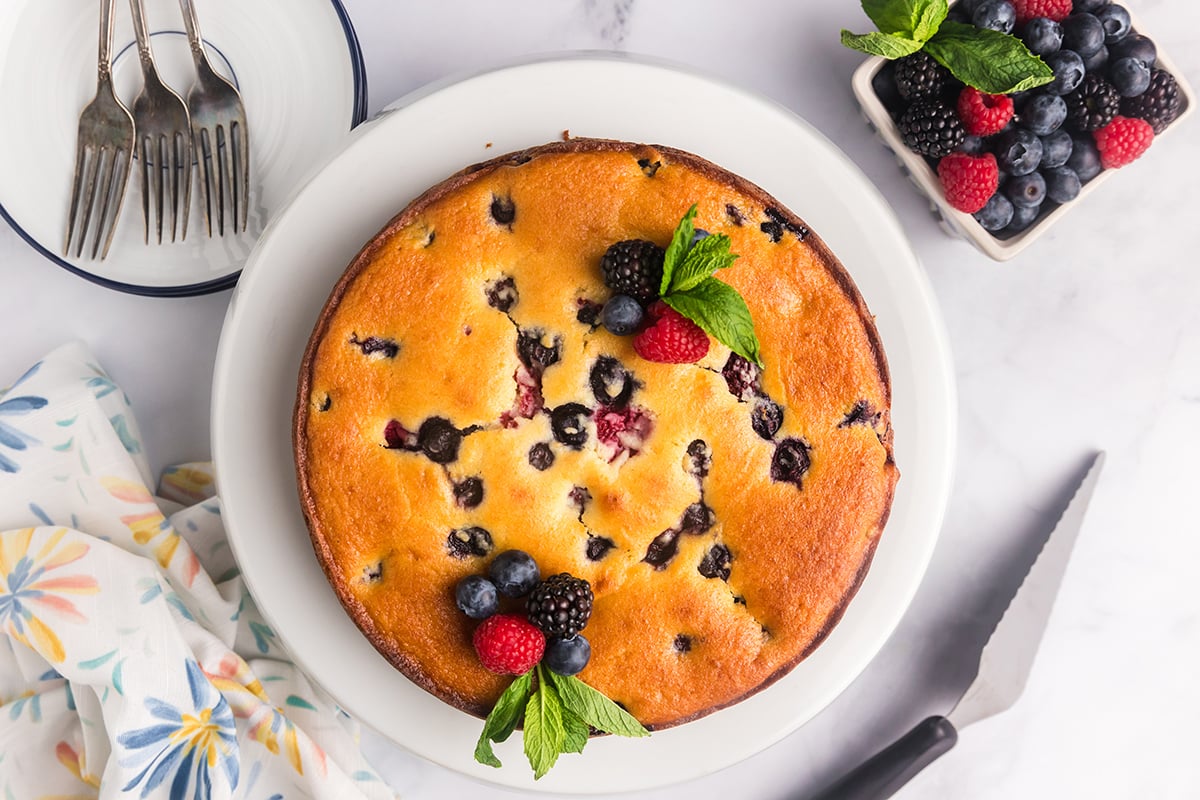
(742, 377)
(634, 267)
(560, 605)
(1158, 105)
(1093, 105)
(931, 128)
(919, 76)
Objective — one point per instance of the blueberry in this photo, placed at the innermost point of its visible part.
(1085, 158)
(611, 383)
(1096, 61)
(476, 597)
(1042, 36)
(1083, 33)
(1135, 46)
(1062, 184)
(884, 85)
(1022, 218)
(1129, 76)
(514, 572)
(1026, 190)
(622, 315)
(1090, 6)
(567, 656)
(1068, 71)
(791, 461)
(1115, 20)
(541, 457)
(1044, 113)
(1056, 149)
(503, 210)
(766, 418)
(568, 423)
(535, 353)
(996, 214)
(699, 234)
(972, 145)
(996, 15)
(1018, 151)
(468, 493)
(439, 440)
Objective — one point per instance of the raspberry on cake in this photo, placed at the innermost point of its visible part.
(722, 514)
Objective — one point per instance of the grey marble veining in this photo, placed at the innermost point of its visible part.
(1089, 340)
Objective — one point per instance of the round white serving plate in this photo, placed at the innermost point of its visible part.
(436, 132)
(297, 65)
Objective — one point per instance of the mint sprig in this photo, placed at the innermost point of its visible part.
(992, 62)
(556, 712)
(688, 286)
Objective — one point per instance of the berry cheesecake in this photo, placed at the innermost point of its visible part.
(464, 395)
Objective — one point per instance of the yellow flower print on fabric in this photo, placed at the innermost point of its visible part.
(33, 592)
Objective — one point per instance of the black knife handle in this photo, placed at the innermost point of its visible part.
(890, 768)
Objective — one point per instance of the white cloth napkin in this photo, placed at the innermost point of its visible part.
(133, 662)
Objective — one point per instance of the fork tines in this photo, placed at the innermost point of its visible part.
(221, 151)
(98, 191)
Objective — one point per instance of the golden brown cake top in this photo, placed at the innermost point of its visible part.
(458, 399)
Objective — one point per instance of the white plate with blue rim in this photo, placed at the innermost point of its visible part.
(297, 65)
(420, 141)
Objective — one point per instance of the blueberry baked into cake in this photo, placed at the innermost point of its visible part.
(473, 387)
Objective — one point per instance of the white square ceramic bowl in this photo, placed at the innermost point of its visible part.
(925, 177)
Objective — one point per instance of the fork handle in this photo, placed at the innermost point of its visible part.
(141, 32)
(191, 22)
(104, 59)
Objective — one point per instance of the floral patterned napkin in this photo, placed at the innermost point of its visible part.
(133, 662)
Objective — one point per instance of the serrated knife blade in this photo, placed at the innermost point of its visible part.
(1003, 670)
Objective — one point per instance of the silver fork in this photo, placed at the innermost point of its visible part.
(164, 135)
(103, 155)
(222, 140)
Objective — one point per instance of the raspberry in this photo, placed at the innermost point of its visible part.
(634, 267)
(968, 181)
(560, 605)
(1122, 141)
(984, 114)
(1057, 10)
(672, 338)
(509, 644)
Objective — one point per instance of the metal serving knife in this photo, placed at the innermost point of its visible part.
(1004, 666)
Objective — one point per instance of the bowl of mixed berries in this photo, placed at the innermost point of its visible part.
(1006, 113)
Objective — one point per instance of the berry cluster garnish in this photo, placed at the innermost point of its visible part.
(1086, 96)
(670, 299)
(544, 648)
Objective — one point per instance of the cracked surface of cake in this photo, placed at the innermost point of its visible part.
(459, 398)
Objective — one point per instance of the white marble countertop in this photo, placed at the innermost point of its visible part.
(1089, 340)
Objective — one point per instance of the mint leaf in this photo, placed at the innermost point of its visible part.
(992, 62)
(912, 19)
(544, 732)
(930, 16)
(705, 257)
(595, 709)
(890, 46)
(503, 719)
(677, 250)
(576, 732)
(720, 310)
